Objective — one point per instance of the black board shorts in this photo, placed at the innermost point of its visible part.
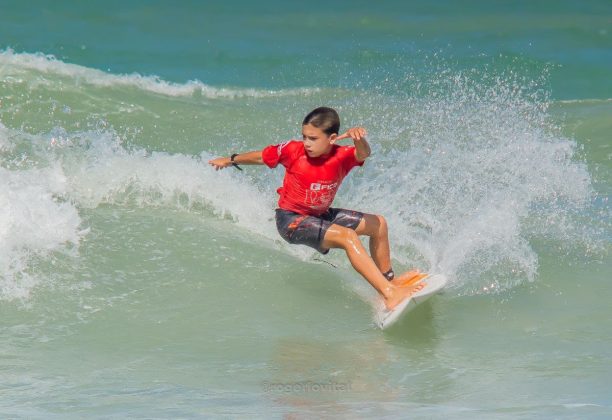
(310, 230)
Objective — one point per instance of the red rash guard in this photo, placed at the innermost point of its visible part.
(310, 184)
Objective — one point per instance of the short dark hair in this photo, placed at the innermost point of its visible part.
(325, 118)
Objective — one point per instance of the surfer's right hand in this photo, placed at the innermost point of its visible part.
(220, 163)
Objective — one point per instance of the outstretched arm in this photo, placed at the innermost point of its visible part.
(248, 158)
(362, 148)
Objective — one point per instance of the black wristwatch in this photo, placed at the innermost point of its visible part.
(234, 164)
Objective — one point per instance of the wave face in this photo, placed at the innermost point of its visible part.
(469, 172)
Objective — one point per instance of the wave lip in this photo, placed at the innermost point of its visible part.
(11, 62)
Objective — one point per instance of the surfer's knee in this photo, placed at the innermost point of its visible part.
(348, 237)
(340, 237)
(381, 229)
(373, 225)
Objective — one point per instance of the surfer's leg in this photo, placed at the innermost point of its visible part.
(338, 236)
(376, 228)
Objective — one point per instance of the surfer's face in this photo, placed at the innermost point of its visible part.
(316, 141)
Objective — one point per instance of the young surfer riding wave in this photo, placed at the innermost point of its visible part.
(314, 170)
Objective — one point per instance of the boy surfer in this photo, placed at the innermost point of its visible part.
(315, 168)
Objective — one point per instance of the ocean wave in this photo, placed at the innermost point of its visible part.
(103, 172)
(13, 64)
(468, 177)
(41, 197)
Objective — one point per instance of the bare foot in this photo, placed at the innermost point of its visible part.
(399, 294)
(408, 278)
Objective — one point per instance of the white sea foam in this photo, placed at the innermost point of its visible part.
(17, 65)
(468, 177)
(34, 221)
(39, 207)
(105, 172)
(584, 101)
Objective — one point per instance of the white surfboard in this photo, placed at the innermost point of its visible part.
(433, 284)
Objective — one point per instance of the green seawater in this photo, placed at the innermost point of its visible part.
(137, 282)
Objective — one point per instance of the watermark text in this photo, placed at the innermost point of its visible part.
(305, 386)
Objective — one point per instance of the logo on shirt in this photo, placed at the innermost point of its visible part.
(315, 186)
(320, 196)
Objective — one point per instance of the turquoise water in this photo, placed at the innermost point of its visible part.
(137, 282)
